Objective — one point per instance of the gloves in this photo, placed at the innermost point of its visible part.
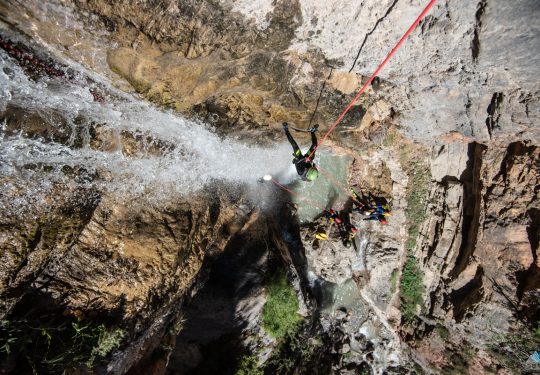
(313, 130)
(285, 126)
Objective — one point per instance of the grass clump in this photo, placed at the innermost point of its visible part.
(300, 352)
(416, 166)
(390, 138)
(414, 163)
(249, 366)
(305, 350)
(417, 192)
(108, 340)
(280, 311)
(411, 289)
(55, 346)
(513, 349)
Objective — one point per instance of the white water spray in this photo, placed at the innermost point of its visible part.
(173, 155)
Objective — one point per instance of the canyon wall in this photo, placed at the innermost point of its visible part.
(449, 133)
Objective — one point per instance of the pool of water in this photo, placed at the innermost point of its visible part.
(345, 297)
(327, 191)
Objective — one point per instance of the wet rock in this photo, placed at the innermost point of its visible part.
(463, 82)
(132, 263)
(332, 260)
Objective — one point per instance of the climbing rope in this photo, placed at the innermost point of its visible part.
(335, 182)
(396, 47)
(327, 174)
(319, 98)
(302, 197)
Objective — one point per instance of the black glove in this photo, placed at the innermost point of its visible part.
(285, 126)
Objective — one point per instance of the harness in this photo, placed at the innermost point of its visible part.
(299, 159)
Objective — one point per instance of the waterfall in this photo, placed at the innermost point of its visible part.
(168, 155)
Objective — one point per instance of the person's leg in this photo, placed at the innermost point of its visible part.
(293, 143)
(364, 200)
(313, 144)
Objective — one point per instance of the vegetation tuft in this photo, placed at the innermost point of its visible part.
(514, 349)
(412, 158)
(302, 348)
(411, 289)
(249, 366)
(417, 192)
(302, 352)
(53, 345)
(280, 312)
(458, 362)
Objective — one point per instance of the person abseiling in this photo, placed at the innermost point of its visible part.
(304, 164)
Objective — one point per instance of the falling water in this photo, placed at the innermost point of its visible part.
(168, 154)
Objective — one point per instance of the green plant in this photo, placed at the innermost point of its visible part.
(536, 332)
(513, 349)
(108, 341)
(299, 353)
(280, 311)
(249, 366)
(417, 192)
(413, 161)
(443, 332)
(166, 347)
(9, 336)
(417, 369)
(177, 326)
(390, 138)
(53, 345)
(411, 288)
(347, 357)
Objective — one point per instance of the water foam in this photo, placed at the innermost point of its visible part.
(191, 154)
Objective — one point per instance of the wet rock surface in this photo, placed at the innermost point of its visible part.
(448, 134)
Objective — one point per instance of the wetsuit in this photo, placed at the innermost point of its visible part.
(300, 161)
(332, 215)
(347, 231)
(361, 203)
(376, 216)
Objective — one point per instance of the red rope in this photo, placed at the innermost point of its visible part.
(336, 183)
(297, 194)
(292, 192)
(332, 180)
(409, 31)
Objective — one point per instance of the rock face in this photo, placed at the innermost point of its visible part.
(130, 264)
(493, 196)
(459, 71)
(448, 133)
(479, 253)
